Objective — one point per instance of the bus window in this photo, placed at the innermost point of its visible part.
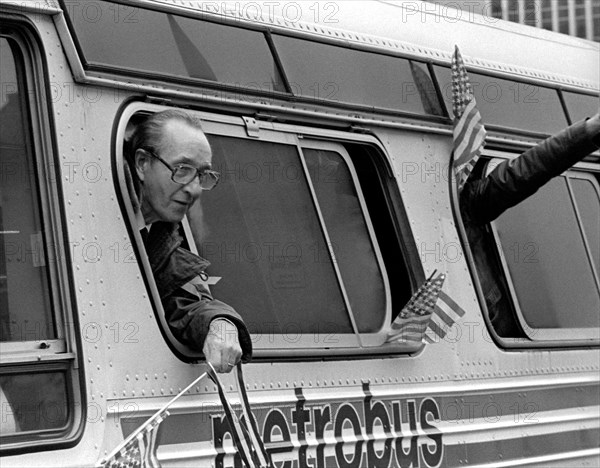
(580, 106)
(546, 252)
(340, 74)
(261, 230)
(189, 48)
(37, 402)
(348, 232)
(586, 192)
(36, 379)
(23, 261)
(510, 104)
(303, 237)
(292, 243)
(298, 241)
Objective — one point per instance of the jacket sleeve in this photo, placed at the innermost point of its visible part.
(511, 182)
(189, 317)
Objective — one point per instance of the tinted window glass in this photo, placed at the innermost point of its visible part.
(349, 237)
(588, 203)
(581, 106)
(33, 402)
(505, 103)
(547, 261)
(134, 39)
(25, 311)
(346, 75)
(260, 231)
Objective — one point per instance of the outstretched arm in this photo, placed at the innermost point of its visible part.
(511, 182)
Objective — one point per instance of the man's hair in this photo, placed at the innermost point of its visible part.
(149, 133)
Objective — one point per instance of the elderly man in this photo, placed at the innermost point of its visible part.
(170, 161)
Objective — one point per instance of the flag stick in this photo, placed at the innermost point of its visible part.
(149, 421)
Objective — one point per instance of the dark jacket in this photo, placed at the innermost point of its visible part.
(483, 200)
(188, 315)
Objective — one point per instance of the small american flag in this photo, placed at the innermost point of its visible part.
(446, 313)
(412, 321)
(469, 132)
(140, 451)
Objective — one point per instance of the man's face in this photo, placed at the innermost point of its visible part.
(163, 199)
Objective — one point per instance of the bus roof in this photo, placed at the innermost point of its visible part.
(425, 30)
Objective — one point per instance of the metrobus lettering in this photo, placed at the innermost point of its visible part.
(398, 432)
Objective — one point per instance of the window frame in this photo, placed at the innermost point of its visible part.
(61, 353)
(300, 137)
(532, 337)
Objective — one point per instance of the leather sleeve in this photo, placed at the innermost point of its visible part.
(189, 318)
(483, 200)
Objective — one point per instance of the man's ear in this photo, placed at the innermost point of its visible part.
(142, 161)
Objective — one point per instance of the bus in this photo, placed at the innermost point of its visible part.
(331, 126)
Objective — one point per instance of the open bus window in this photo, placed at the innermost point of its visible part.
(302, 237)
(36, 377)
(546, 252)
(286, 234)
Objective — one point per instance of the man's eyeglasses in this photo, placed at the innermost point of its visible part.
(183, 173)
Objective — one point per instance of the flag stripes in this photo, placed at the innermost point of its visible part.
(469, 133)
(447, 312)
(411, 323)
(140, 451)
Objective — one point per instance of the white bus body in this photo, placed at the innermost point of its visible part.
(335, 204)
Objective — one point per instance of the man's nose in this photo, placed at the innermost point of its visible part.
(193, 188)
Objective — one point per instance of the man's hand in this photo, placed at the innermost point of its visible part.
(592, 126)
(222, 346)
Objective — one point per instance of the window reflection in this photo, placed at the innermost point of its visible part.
(25, 307)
